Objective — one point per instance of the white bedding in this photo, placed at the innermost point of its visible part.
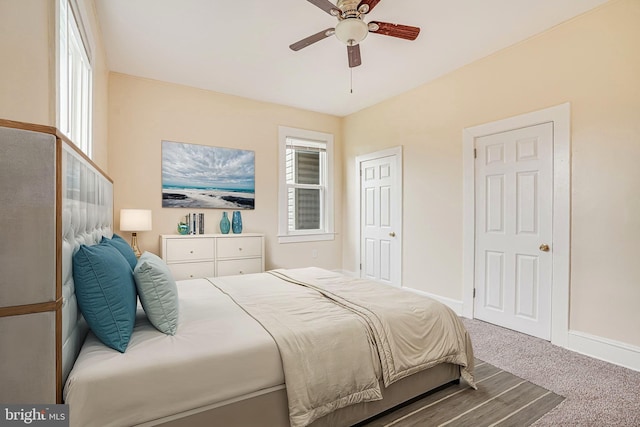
(221, 350)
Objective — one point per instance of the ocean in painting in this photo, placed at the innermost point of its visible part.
(176, 197)
(199, 176)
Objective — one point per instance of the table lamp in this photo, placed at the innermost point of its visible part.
(135, 220)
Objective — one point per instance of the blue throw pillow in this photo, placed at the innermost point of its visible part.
(123, 247)
(106, 293)
(158, 292)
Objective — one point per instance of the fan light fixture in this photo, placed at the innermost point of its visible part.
(351, 31)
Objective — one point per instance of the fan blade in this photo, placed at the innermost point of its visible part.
(370, 5)
(312, 39)
(401, 31)
(353, 52)
(327, 6)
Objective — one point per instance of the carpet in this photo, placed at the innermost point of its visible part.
(502, 399)
(597, 393)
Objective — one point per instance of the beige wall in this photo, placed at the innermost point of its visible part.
(27, 77)
(593, 62)
(26, 28)
(144, 112)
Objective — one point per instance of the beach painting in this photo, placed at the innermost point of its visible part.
(200, 176)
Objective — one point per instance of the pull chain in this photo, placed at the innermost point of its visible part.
(351, 80)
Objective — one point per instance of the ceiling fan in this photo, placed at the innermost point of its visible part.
(351, 29)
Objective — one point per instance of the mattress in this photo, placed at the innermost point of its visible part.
(221, 351)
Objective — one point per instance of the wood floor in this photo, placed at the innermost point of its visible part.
(502, 399)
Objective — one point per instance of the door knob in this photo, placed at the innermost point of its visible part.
(544, 247)
(392, 234)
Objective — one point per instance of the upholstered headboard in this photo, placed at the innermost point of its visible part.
(87, 215)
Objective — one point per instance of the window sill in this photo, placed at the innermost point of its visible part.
(297, 238)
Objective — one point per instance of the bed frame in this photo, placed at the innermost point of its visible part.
(271, 408)
(83, 209)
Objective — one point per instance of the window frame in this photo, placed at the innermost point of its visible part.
(74, 80)
(327, 192)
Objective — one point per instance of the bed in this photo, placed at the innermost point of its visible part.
(226, 365)
(254, 350)
(230, 363)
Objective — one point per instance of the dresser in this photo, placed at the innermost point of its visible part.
(210, 255)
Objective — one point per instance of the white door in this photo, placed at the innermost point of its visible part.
(513, 255)
(380, 222)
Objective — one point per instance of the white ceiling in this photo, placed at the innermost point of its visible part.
(242, 47)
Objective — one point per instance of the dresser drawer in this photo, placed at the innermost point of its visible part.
(239, 266)
(189, 249)
(192, 270)
(235, 247)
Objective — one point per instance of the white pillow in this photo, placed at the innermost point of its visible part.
(158, 292)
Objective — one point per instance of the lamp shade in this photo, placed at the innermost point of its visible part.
(135, 219)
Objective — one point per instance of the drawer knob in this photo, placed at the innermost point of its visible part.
(190, 252)
(191, 276)
(239, 249)
(241, 272)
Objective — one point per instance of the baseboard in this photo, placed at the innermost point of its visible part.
(611, 351)
(453, 304)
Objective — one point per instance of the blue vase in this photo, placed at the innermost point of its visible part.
(236, 222)
(183, 228)
(224, 224)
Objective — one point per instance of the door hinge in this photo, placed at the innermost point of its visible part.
(474, 292)
(360, 266)
(475, 153)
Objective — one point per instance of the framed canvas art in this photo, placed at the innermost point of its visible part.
(201, 176)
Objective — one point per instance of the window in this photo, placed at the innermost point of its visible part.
(306, 191)
(75, 78)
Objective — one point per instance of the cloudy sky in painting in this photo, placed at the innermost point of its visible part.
(190, 165)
